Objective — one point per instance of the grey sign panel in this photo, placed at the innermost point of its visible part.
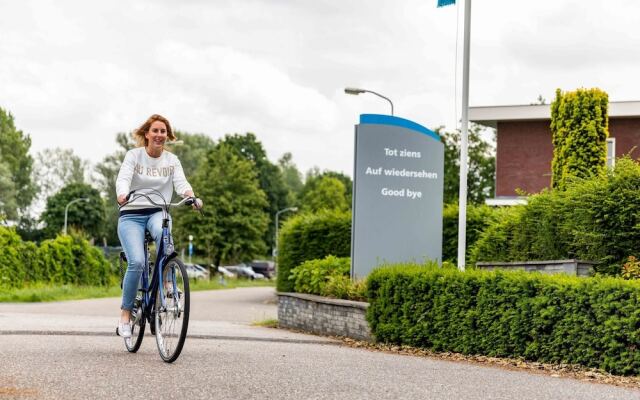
(397, 195)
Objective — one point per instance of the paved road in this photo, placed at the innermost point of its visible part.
(67, 351)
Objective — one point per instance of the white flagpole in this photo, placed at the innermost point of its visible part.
(464, 143)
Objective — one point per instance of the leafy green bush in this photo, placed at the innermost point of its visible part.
(11, 266)
(592, 219)
(311, 276)
(579, 126)
(342, 287)
(309, 237)
(594, 322)
(478, 218)
(327, 277)
(528, 232)
(56, 259)
(631, 269)
(63, 260)
(91, 266)
(29, 261)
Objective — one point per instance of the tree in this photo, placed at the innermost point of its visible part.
(233, 223)
(539, 101)
(87, 216)
(482, 166)
(314, 177)
(192, 152)
(580, 127)
(55, 168)
(8, 200)
(107, 172)
(269, 176)
(14, 153)
(328, 193)
(291, 176)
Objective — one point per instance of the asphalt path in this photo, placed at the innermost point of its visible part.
(67, 350)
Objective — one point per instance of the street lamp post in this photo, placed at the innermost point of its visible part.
(275, 245)
(66, 211)
(356, 91)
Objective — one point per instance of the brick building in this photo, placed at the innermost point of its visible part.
(524, 148)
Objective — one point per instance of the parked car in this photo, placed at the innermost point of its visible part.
(244, 271)
(226, 273)
(264, 267)
(195, 272)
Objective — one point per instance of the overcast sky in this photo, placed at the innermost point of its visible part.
(74, 73)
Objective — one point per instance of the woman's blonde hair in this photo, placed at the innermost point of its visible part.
(139, 133)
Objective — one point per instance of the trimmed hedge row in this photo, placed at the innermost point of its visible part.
(594, 322)
(594, 219)
(63, 260)
(311, 236)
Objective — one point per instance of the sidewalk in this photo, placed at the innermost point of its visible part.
(227, 314)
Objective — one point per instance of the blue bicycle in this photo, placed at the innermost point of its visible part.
(163, 300)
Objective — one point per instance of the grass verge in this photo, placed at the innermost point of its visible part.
(215, 284)
(44, 292)
(267, 323)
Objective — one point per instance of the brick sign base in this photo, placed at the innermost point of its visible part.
(323, 315)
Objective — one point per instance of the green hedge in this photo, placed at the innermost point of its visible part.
(311, 236)
(11, 272)
(63, 260)
(478, 218)
(594, 322)
(329, 277)
(592, 219)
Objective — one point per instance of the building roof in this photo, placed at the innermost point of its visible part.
(489, 116)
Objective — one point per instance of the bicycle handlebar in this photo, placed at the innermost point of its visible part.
(188, 201)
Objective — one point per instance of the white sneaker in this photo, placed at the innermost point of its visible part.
(124, 329)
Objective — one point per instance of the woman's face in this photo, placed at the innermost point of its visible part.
(156, 136)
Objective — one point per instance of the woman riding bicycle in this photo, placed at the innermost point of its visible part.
(146, 167)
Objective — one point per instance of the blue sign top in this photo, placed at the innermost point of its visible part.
(381, 119)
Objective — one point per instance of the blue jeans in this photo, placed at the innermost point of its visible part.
(131, 229)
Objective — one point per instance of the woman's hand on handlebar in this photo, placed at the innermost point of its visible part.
(197, 204)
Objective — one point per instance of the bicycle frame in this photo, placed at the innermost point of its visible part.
(168, 311)
(149, 289)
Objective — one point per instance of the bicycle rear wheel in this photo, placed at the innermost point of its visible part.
(138, 323)
(172, 320)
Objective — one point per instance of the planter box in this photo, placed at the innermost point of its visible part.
(569, 267)
(324, 316)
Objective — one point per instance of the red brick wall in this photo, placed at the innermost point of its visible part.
(523, 158)
(627, 134)
(524, 152)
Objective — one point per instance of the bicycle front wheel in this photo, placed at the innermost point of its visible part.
(138, 322)
(172, 315)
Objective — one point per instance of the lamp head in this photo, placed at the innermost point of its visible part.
(354, 91)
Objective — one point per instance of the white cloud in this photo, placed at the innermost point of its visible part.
(74, 73)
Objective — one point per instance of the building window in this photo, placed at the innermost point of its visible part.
(611, 152)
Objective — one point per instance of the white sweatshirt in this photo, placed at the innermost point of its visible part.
(141, 171)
